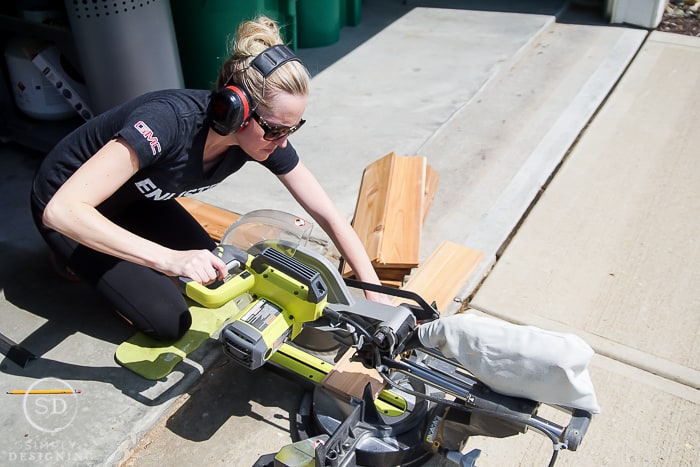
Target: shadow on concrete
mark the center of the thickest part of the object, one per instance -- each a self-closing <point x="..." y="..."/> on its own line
<point x="26" y="277"/>
<point x="224" y="394"/>
<point x="64" y="309"/>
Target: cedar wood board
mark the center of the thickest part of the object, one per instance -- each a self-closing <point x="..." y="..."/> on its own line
<point x="389" y="212"/>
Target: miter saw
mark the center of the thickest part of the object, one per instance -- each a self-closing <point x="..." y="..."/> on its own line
<point x="295" y="299"/>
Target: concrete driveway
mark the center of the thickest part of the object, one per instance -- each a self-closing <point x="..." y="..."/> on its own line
<point x="565" y="150"/>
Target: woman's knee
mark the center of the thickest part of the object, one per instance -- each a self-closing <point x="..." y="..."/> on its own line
<point x="167" y="324"/>
<point x="148" y="299"/>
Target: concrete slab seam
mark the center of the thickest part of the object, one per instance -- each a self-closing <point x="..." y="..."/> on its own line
<point x="672" y="387"/>
<point x="470" y="288"/>
<point x="147" y="424"/>
<point x="509" y="209"/>
<point x="549" y="152"/>
<point x="130" y="446"/>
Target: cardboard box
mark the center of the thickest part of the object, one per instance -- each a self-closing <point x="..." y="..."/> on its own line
<point x="74" y="92"/>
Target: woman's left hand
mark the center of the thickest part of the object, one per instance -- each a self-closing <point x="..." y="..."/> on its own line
<point x="378" y="297"/>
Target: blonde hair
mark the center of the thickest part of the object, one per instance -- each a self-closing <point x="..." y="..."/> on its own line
<point x="253" y="38"/>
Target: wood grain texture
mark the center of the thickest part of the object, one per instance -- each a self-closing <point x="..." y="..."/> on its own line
<point x="444" y="273"/>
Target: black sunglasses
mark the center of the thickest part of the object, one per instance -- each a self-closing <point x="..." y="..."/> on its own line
<point x="276" y="132"/>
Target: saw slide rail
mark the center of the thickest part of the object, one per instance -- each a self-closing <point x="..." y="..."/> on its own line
<point x="434" y="369"/>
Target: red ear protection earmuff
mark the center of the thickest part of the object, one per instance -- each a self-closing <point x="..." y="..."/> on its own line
<point x="229" y="108"/>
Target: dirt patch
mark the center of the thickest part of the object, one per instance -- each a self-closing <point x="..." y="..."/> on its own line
<point x="681" y="17"/>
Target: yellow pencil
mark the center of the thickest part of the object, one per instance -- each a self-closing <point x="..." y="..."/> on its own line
<point x="45" y="391"/>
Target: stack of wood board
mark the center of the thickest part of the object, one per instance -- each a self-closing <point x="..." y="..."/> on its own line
<point x="392" y="205"/>
<point x="393" y="202"/>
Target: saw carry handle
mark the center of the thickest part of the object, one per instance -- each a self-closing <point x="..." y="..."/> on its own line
<point x="309" y="277"/>
<point x="423" y="312"/>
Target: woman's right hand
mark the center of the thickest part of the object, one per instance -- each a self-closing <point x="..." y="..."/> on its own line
<point x="199" y="265"/>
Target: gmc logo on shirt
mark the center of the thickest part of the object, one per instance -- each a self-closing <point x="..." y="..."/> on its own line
<point x="148" y="134"/>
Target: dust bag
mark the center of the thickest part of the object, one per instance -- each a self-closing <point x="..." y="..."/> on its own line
<point x="521" y="361"/>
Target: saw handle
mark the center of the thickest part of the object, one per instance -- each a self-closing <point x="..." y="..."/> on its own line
<point x="220" y="291"/>
<point x="233" y="256"/>
<point x="423" y="312"/>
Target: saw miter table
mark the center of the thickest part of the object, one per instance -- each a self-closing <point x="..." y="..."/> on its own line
<point x="296" y="310"/>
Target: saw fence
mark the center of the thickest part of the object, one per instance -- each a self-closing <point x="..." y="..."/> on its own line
<point x="393" y="203"/>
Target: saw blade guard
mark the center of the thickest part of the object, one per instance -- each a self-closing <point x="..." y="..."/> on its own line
<point x="268" y="224"/>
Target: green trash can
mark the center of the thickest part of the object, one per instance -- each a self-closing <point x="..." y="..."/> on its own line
<point x="350" y="12"/>
<point x="318" y="22"/>
<point x="204" y="29"/>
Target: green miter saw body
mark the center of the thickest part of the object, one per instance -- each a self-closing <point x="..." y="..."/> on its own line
<point x="431" y="404"/>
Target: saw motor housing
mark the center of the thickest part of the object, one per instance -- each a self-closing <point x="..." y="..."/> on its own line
<point x="285" y="293"/>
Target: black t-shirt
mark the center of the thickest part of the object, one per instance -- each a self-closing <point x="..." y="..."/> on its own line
<point x="167" y="129"/>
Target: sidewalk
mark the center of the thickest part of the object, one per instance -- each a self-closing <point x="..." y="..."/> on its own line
<point x="495" y="100"/>
<point x="610" y="252"/>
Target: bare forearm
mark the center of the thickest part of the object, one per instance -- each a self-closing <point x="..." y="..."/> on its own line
<point x="309" y="193"/>
<point x="72" y="212"/>
<point x="352" y="249"/>
<point x="87" y="226"/>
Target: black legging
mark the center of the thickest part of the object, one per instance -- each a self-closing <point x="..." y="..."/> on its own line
<point x="147" y="298"/>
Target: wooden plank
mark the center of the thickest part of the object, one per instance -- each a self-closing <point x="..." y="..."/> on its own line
<point x="215" y="220"/>
<point x="397" y="274"/>
<point x="444" y="273"/>
<point x="349" y="378"/>
<point x="391" y="208"/>
<point x="432" y="179"/>
<point x="393" y="283"/>
<point x="370" y="210"/>
<point x="403" y="221"/>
